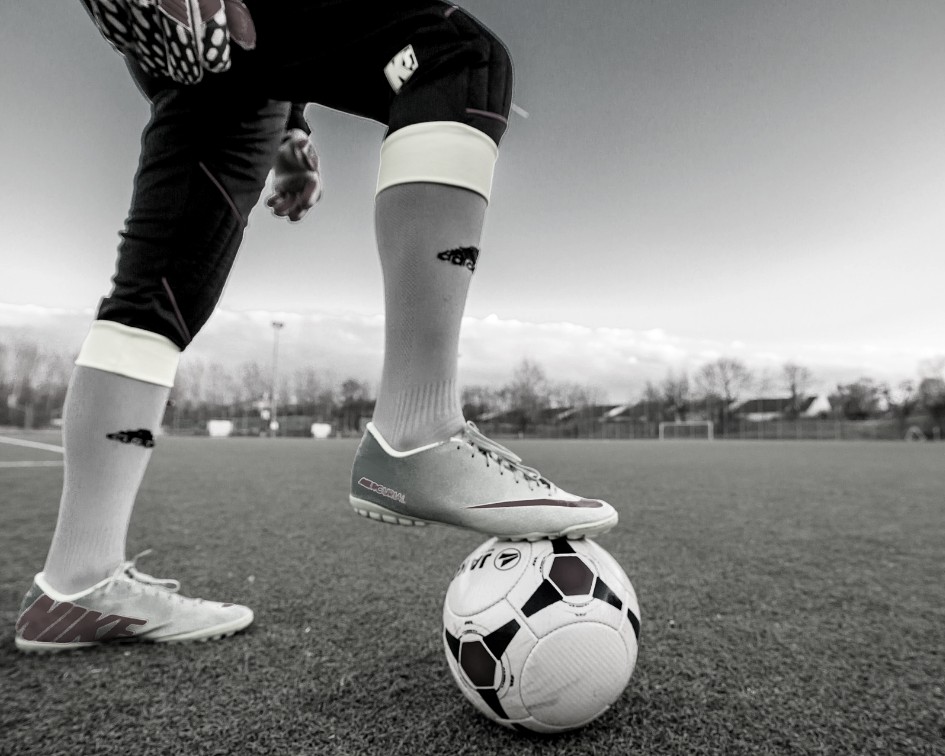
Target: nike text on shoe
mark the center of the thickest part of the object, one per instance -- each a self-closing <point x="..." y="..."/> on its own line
<point x="128" y="606"/>
<point x="471" y="482"/>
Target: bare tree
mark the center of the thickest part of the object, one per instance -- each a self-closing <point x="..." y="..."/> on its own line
<point x="327" y="398"/>
<point x="254" y="381"/>
<point x="528" y="392"/>
<point x="353" y="390"/>
<point x="26" y="359"/>
<point x="676" y="392"/>
<point x="931" y="390"/>
<point x="797" y="380"/>
<point x="33" y="382"/>
<point x="355" y="404"/>
<point x="28" y="376"/>
<point x="566" y="394"/>
<point x="189" y="386"/>
<point x="932" y="398"/>
<point x="723" y="382"/>
<point x="52" y="379"/>
<point x="307" y="385"/>
<point x="653" y="401"/>
<point x="902" y="401"/>
<point x="221" y="388"/>
<point x="325" y="405"/>
<point x="284" y="391"/>
<point x="6" y="379"/>
<point x="49" y="370"/>
<point x="478" y="400"/>
<point x="858" y="400"/>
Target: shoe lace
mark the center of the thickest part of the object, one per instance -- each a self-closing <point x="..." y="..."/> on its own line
<point x="502" y="456"/>
<point x="131" y="570"/>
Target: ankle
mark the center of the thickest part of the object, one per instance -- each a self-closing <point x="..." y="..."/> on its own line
<point x="419" y="414"/>
<point x="408" y="436"/>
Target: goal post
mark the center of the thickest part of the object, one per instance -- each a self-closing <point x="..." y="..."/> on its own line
<point x="697" y="430"/>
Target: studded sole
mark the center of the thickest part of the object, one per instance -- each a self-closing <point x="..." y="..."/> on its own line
<point x="378" y="513"/>
<point x="41" y="648"/>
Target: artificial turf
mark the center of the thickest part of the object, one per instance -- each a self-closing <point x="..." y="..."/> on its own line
<point x="792" y="599"/>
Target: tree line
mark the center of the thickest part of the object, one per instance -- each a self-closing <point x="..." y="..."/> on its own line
<point x="33" y="383"/>
<point x="717" y="389"/>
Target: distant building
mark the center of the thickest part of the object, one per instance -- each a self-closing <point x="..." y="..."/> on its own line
<point x="764" y="409"/>
<point x="557" y="421"/>
<point x="586" y="414"/>
<point x="639" y="412"/>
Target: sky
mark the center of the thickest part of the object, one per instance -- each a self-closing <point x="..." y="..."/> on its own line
<point x="696" y="178"/>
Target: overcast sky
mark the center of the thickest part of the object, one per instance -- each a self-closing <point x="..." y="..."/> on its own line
<point x="763" y="178"/>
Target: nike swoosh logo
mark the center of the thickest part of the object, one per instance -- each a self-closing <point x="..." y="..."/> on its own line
<point x="579" y="504"/>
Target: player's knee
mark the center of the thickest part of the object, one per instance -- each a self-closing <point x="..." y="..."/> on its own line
<point x="486" y="79"/>
<point x="131" y="352"/>
<point x="446" y="127"/>
<point x="490" y="85"/>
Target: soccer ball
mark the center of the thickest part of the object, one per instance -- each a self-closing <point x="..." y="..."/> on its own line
<point x="541" y="635"/>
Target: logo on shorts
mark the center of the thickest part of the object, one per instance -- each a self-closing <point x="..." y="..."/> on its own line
<point x="140" y="437"/>
<point x="465" y="256"/>
<point x="401" y="68"/>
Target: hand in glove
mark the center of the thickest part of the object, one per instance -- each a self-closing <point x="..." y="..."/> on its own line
<point x="296" y="185"/>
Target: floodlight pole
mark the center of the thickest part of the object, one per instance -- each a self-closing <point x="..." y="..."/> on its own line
<point x="276" y="327"/>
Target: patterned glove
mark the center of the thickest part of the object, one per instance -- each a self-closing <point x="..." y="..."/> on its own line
<point x="297" y="185"/>
<point x="179" y="39"/>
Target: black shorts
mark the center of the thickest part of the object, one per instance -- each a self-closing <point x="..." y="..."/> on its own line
<point x="335" y="52"/>
<point x="208" y="148"/>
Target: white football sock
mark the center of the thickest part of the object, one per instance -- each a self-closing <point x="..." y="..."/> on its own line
<point x="104" y="415"/>
<point x="428" y="237"/>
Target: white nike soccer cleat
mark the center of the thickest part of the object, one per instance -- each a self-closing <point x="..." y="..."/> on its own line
<point x="471" y="482"/>
<point x="128" y="606"/>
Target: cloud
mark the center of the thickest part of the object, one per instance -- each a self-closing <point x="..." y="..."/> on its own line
<point x="617" y="360"/>
<point x="57" y="329"/>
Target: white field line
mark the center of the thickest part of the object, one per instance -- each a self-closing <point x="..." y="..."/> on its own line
<point x="30" y="444"/>
<point x="30" y="464"/>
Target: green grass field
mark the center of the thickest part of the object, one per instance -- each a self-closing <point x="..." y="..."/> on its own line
<point x="793" y="602"/>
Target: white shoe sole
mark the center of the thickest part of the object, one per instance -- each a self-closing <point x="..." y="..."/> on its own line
<point x="575" y="532"/>
<point x="207" y="634"/>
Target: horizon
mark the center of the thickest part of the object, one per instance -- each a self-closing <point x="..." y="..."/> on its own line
<point x="343" y="345"/>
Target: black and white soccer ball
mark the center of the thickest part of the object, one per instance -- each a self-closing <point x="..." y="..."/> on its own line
<point x="541" y="635"/>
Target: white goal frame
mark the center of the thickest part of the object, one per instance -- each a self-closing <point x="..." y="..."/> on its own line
<point x="707" y="424"/>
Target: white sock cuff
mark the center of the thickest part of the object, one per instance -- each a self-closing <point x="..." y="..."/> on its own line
<point x="439" y="152"/>
<point x="131" y="352"/>
<point x="57" y="595"/>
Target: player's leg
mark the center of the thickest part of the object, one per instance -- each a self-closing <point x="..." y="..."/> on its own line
<point x="452" y="90"/>
<point x="434" y="185"/>
<point x="205" y="156"/>
<point x="442" y="83"/>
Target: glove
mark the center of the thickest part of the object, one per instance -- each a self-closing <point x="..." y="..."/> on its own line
<point x="179" y="39"/>
<point x="296" y="185"/>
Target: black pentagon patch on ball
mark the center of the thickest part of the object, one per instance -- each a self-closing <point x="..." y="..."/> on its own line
<point x="571" y="575"/>
<point x="477" y="663"/>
